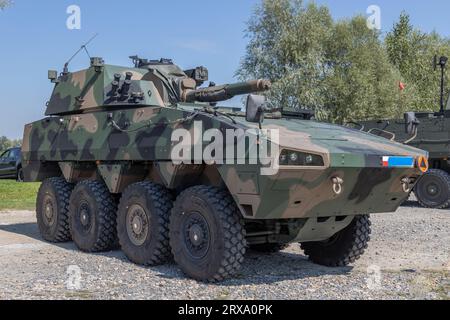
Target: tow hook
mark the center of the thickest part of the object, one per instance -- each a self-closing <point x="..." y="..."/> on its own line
<point x="406" y="184"/>
<point x="337" y="185"/>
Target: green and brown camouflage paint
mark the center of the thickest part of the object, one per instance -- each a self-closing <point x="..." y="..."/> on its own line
<point x="91" y="134"/>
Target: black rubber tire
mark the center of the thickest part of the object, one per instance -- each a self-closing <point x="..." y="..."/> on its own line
<point x="438" y="179"/>
<point x="157" y="203"/>
<point x="101" y="235"/>
<point x="58" y="192"/>
<point x="19" y="176"/>
<point x="225" y="240"/>
<point x="344" y="248"/>
<point x="269" y="247"/>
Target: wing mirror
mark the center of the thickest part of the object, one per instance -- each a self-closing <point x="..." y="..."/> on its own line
<point x="255" y="107"/>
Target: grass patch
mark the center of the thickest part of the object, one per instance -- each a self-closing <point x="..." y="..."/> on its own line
<point x="81" y="295"/>
<point x="435" y="282"/>
<point x="444" y="287"/>
<point x="18" y="196"/>
<point x="223" y="295"/>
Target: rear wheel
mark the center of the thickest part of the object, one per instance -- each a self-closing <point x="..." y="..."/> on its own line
<point x="143" y="223"/>
<point x="343" y="248"/>
<point x="433" y="189"/>
<point x="207" y="234"/>
<point x="93" y="217"/>
<point x="52" y="210"/>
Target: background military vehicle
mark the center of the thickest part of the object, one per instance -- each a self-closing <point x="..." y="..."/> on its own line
<point x="104" y="155"/>
<point x="429" y="131"/>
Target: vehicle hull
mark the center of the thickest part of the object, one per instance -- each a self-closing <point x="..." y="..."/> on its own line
<point x="126" y="146"/>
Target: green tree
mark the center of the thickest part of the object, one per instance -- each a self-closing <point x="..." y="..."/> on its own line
<point x="287" y="45"/>
<point x="6" y="143"/>
<point x="412" y="52"/>
<point x="5" y="3"/>
<point x="339" y="69"/>
<point x="401" y="42"/>
<point x="363" y="84"/>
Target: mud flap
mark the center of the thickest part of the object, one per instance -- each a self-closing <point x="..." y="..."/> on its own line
<point x="321" y="229"/>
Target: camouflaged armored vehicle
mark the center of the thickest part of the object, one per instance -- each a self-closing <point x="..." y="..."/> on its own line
<point x="429" y="131"/>
<point x="105" y="156"/>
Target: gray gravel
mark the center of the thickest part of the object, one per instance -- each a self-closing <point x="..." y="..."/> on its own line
<point x="408" y="258"/>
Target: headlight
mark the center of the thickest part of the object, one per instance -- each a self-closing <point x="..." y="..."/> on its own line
<point x="295" y="158"/>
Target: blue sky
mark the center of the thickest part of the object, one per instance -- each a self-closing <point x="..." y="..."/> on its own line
<point x="34" y="38"/>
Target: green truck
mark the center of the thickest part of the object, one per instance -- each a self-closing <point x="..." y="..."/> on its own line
<point x="429" y="131"/>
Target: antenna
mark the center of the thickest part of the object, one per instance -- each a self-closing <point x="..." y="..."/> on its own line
<point x="83" y="47"/>
<point x="442" y="62"/>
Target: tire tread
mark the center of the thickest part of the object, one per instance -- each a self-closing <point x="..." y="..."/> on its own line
<point x="446" y="178"/>
<point x="62" y="190"/>
<point x="162" y="200"/>
<point x="107" y="238"/>
<point x="346" y="252"/>
<point x="234" y="232"/>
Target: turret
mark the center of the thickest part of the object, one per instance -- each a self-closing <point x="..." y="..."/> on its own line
<point x="149" y="83"/>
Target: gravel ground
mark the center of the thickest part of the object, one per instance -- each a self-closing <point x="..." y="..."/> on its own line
<point x="408" y="258"/>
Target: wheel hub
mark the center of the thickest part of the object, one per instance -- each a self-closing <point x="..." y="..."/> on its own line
<point x="84" y="218"/>
<point x="197" y="235"/>
<point x="49" y="211"/>
<point x="137" y="225"/>
<point x="84" y="214"/>
<point x="432" y="189"/>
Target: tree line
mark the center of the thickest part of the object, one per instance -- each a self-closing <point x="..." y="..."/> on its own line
<point x="6" y="143"/>
<point x="341" y="69"/>
<point x="5" y="3"/>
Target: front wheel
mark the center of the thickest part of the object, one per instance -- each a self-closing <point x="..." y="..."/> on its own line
<point x="207" y="234"/>
<point x="433" y="190"/>
<point x="343" y="248"/>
